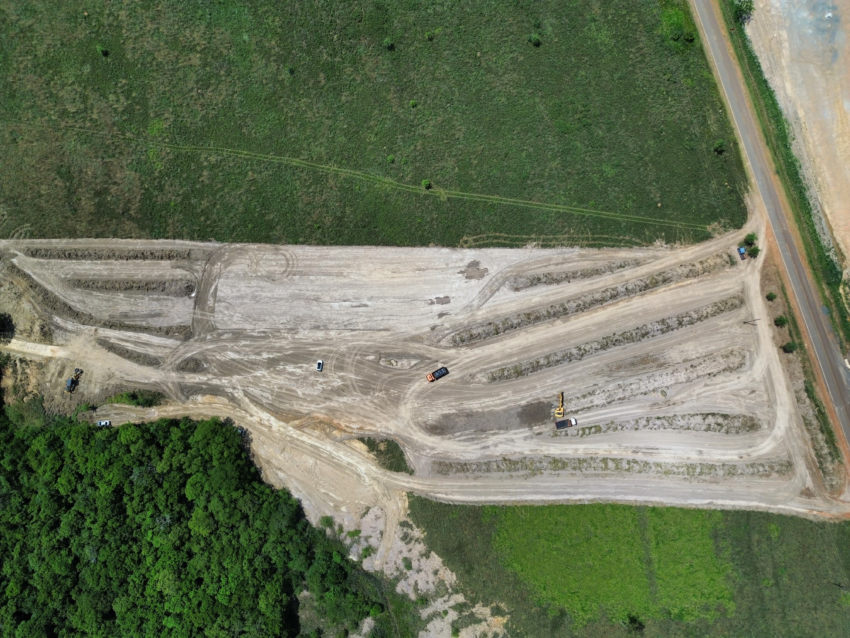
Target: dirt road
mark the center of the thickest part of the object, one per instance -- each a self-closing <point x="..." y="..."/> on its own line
<point x="679" y="401"/>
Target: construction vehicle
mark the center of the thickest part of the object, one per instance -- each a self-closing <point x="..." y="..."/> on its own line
<point x="742" y="253"/>
<point x="437" y="374"/>
<point x="566" y="423"/>
<point x="71" y="384"/>
<point x="559" y="411"/>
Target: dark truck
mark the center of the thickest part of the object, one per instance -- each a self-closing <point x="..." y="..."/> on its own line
<point x="438" y="374"/>
<point x="566" y="423"/>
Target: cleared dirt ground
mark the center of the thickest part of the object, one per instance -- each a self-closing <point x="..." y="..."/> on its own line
<point x="802" y="46"/>
<point x="665" y="356"/>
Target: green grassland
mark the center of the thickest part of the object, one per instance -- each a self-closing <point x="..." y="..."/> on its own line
<point x="611" y="570"/>
<point x="318" y="122"/>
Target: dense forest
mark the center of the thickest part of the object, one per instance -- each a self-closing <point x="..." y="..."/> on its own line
<point x="164" y="529"/>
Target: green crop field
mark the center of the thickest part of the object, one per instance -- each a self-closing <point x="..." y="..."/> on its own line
<point x="563" y="122"/>
<point x="612" y="570"/>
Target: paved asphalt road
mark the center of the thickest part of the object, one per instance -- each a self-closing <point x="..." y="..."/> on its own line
<point x="816" y="324"/>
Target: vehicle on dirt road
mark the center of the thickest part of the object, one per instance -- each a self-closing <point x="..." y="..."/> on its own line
<point x="566" y="423"/>
<point x="742" y="252"/>
<point x="320" y="365"/>
<point x="438" y="374"/>
<point x="104" y="424"/>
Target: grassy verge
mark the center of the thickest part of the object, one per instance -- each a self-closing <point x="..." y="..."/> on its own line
<point x="809" y="385"/>
<point x="607" y="570"/>
<point x="826" y="270"/>
<point x="321" y="123"/>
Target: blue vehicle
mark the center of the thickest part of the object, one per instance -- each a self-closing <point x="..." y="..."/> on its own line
<point x="742" y="252"/>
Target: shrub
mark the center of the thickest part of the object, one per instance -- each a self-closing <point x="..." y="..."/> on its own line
<point x="389" y="45"/>
<point x="326" y="522"/>
<point x="413" y="104"/>
<point x="138" y="398"/>
<point x="790" y="347"/>
<point x="719" y="147"/>
<point x="408" y="564"/>
<point x="391" y="159"/>
<point x="426" y="184"/>
<point x="770" y="296"/>
<point x="743" y="10"/>
<point x="754" y="252"/>
<point x="7" y="327"/>
<point x="750" y="240"/>
<point x="429" y="36"/>
<point x="781" y="321"/>
<point x="535" y="40"/>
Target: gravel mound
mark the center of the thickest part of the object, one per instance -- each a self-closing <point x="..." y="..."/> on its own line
<point x="141" y="358"/>
<point x="48" y="301"/>
<point x="590" y="300"/>
<point x="111" y="254"/>
<point x="709" y="366"/>
<point x="635" y="335"/>
<point x="588" y="465"/>
<point x="522" y="282"/>
<point x="704" y="422"/>
<point x="168" y="287"/>
<point x="190" y="364"/>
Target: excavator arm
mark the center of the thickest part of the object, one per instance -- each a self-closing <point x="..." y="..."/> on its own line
<point x="559" y="411"/>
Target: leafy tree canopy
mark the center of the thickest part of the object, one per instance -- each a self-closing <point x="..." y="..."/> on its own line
<point x="157" y="530"/>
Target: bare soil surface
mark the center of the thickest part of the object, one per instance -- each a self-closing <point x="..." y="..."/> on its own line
<point x="803" y="48"/>
<point x="696" y="413"/>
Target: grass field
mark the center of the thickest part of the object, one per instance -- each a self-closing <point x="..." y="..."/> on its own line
<point x="319" y="122"/>
<point x="610" y="570"/>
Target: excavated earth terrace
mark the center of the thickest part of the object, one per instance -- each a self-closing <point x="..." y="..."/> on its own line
<point x="665" y="358"/>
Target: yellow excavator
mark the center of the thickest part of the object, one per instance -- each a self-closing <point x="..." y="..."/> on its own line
<point x="559" y="411"/>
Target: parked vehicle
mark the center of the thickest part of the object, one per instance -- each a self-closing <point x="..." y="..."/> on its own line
<point x="320" y="365"/>
<point x="438" y="374"/>
<point x="104" y="424"/>
<point x="742" y="252"/>
<point x="566" y="423"/>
